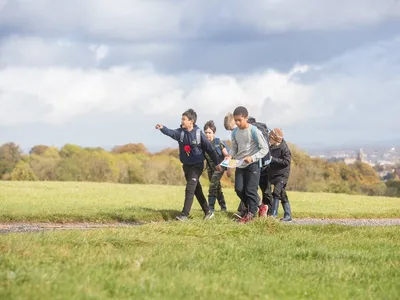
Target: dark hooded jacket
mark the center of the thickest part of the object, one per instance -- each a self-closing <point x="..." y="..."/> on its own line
<point x="196" y="154"/>
<point x="280" y="163"/>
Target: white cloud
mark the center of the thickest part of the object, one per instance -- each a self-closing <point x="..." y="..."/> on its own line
<point x="365" y="80"/>
<point x="73" y="92"/>
<point x="156" y="19"/>
<point x="361" y="85"/>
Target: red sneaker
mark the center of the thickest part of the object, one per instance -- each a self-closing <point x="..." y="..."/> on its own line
<point x="247" y="218"/>
<point x="262" y="212"/>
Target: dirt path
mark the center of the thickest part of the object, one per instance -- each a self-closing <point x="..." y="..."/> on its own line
<point x="36" y="227"/>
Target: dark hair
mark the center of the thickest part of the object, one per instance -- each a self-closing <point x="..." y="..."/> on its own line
<point x="210" y="124"/>
<point x="191" y="115"/>
<point x="251" y="120"/>
<point x="241" y="111"/>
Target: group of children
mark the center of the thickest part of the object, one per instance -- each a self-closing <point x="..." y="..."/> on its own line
<point x="249" y="145"/>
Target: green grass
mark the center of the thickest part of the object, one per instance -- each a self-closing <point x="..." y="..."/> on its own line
<point x="104" y="202"/>
<point x="218" y="259"/>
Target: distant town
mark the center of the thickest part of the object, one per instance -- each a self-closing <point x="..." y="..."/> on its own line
<point x="385" y="160"/>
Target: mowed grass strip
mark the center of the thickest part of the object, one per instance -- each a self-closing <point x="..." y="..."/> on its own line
<point x="218" y="259"/>
<point x="105" y="202"/>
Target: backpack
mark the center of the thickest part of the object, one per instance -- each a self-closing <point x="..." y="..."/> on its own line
<point x="218" y="148"/>
<point x="198" y="136"/>
<point x="263" y="128"/>
<point x="265" y="131"/>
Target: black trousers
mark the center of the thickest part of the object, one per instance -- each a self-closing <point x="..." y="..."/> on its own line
<point x="279" y="191"/>
<point x="246" y="185"/>
<point x="193" y="188"/>
<point x="265" y="187"/>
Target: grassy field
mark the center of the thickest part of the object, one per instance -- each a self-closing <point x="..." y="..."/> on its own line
<point x="217" y="259"/>
<point x="103" y="202"/>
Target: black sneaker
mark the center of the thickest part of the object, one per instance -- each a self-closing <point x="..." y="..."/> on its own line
<point x="286" y="219"/>
<point x="181" y="218"/>
<point x="209" y="215"/>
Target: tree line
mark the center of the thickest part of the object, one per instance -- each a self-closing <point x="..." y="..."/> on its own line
<point x="134" y="164"/>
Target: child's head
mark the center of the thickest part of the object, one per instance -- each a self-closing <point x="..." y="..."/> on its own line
<point x="209" y="130"/>
<point x="241" y="115"/>
<point x="276" y="136"/>
<point x="189" y="118"/>
<point x="229" y="122"/>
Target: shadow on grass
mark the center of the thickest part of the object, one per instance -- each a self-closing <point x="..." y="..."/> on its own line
<point x="166" y="214"/>
<point x="141" y="215"/>
<point x="145" y="214"/>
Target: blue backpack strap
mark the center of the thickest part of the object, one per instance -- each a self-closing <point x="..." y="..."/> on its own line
<point x="198" y="136"/>
<point x="217" y="145"/>
<point x="234" y="132"/>
<point x="254" y="135"/>
<point x="225" y="145"/>
<point x="255" y="138"/>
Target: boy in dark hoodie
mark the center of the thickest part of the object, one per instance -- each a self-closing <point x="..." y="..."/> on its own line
<point x="192" y="145"/>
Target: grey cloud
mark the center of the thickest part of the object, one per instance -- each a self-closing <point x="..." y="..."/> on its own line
<point x="153" y="20"/>
<point x="243" y="54"/>
<point x="39" y="52"/>
<point x="356" y="94"/>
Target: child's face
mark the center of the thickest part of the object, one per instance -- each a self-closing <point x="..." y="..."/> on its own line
<point x="272" y="141"/>
<point x="186" y="123"/>
<point x="241" y="122"/>
<point x="209" y="134"/>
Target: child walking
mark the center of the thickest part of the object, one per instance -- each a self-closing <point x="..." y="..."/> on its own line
<point x="192" y="146"/>
<point x="229" y="124"/>
<point x="215" y="189"/>
<point x="278" y="173"/>
<point x="247" y="175"/>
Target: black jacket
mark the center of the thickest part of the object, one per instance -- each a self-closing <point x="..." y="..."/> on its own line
<point x="280" y="163"/>
<point x="196" y="154"/>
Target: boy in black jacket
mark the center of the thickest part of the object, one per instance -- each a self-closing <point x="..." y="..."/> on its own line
<point x="278" y="173"/>
<point x="192" y="145"/>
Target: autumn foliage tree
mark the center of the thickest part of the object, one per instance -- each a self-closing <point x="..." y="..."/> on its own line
<point x="131" y="148"/>
<point x="133" y="164"/>
<point x="10" y="155"/>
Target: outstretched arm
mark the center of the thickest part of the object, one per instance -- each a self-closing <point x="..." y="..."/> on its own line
<point x="170" y="132"/>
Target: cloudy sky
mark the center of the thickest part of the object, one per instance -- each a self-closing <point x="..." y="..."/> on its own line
<point x="103" y="73"/>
